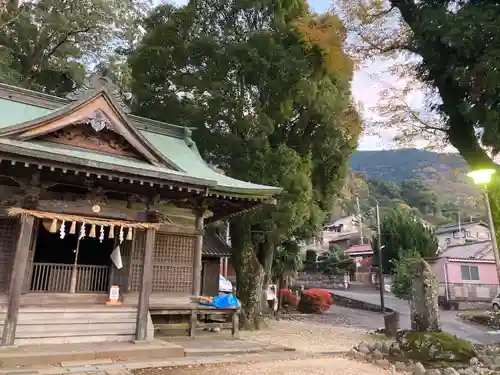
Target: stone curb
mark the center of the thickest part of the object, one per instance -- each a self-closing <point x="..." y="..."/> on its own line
<point x="174" y="363"/>
<point x="357" y="304"/>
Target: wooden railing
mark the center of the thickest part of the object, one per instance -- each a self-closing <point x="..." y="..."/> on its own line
<point x="56" y="278"/>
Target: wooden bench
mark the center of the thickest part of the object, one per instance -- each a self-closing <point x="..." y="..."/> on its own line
<point x="194" y="314"/>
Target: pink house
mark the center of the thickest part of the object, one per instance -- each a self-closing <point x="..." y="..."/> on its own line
<point x="471" y="263"/>
<point x="466" y="272"/>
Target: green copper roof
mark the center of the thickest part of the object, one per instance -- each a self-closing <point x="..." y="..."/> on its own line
<point x="165" y="138"/>
<point x="93" y="159"/>
<point x="191" y="161"/>
<point x="16" y="113"/>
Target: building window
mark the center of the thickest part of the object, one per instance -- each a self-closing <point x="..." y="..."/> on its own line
<point x="470" y="272"/>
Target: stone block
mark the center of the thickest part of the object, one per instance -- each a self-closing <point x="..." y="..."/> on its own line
<point x="418" y="369"/>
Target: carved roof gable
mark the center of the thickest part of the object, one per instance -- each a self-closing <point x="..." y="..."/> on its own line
<point x="93" y="85"/>
<point x="97" y="109"/>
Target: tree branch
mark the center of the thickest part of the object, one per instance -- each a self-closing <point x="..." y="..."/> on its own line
<point x="394" y="47"/>
<point x="381" y="14"/>
<point x="65" y="39"/>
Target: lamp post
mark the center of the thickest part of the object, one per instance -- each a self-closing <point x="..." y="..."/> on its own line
<point x="482" y="177"/>
<point x="380" y="270"/>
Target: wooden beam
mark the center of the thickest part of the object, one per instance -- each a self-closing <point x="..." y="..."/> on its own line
<point x="85" y="208"/>
<point x="198" y="249"/>
<point x="146" y="283"/>
<point x="17" y="279"/>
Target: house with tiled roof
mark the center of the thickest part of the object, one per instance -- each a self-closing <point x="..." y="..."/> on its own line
<point x="465" y="232"/>
<point x="466" y="272"/>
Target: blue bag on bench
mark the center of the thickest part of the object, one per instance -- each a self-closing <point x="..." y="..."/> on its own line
<point x="226" y="302"/>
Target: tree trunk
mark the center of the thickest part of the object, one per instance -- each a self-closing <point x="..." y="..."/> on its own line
<point x="249" y="274"/>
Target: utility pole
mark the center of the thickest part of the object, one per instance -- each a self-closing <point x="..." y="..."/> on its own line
<point x="459" y="227"/>
<point x="491" y="226"/>
<point x="360" y="221"/>
<point x="380" y="272"/>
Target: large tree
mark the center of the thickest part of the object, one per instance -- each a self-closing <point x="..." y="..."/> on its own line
<point x="447" y="50"/>
<point x="403" y="233"/>
<point x="48" y="45"/>
<point x="267" y="85"/>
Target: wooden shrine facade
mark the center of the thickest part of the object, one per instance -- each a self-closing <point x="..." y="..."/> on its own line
<point x="82" y="180"/>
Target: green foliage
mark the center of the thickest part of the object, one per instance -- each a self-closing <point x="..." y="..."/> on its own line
<point x="311" y="258"/>
<point x="287" y="258"/>
<point x="404" y="271"/>
<point x="436" y="347"/>
<point x="45" y="45"/>
<point x="267" y="101"/>
<point x="335" y="262"/>
<point x="401" y="232"/>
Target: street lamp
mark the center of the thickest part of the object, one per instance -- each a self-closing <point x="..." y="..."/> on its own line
<point x="482" y="177"/>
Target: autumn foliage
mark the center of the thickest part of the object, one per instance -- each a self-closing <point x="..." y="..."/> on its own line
<point x="315" y="301"/>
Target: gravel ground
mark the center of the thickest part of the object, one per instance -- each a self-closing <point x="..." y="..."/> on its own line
<point x="312" y="336"/>
<point x="308" y="337"/>
<point x="310" y="366"/>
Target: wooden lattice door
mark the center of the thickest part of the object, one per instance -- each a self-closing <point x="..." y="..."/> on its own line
<point x="172" y="263"/>
<point x="135" y="261"/>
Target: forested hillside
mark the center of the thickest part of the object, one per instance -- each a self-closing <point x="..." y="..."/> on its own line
<point x="433" y="184"/>
<point x="399" y="165"/>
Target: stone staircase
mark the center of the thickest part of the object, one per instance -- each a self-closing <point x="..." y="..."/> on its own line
<point x="75" y="324"/>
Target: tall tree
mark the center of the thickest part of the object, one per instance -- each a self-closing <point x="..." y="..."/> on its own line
<point x="47" y="45"/>
<point x="450" y="49"/>
<point x="267" y="85"/>
<point x="402" y="232"/>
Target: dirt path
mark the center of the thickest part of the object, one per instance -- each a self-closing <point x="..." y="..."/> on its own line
<point x="309" y="337"/>
<point x="311" y="366"/>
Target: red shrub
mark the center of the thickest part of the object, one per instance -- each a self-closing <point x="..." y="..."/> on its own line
<point x="315" y="301"/>
<point x="289" y="299"/>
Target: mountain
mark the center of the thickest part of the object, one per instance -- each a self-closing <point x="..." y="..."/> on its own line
<point x="399" y="165"/>
<point x="389" y="175"/>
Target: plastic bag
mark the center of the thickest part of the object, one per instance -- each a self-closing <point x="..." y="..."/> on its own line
<point x="223" y="302"/>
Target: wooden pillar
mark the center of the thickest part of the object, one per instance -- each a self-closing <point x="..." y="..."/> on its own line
<point x="146" y="281"/>
<point x="17" y="279"/>
<point x="198" y="249"/>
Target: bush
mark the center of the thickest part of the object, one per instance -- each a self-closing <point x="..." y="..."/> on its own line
<point x="436" y="346"/>
<point x="315" y="301"/>
<point x="289" y="299"/>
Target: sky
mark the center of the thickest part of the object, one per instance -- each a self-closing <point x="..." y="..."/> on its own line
<point x="365" y="90"/>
